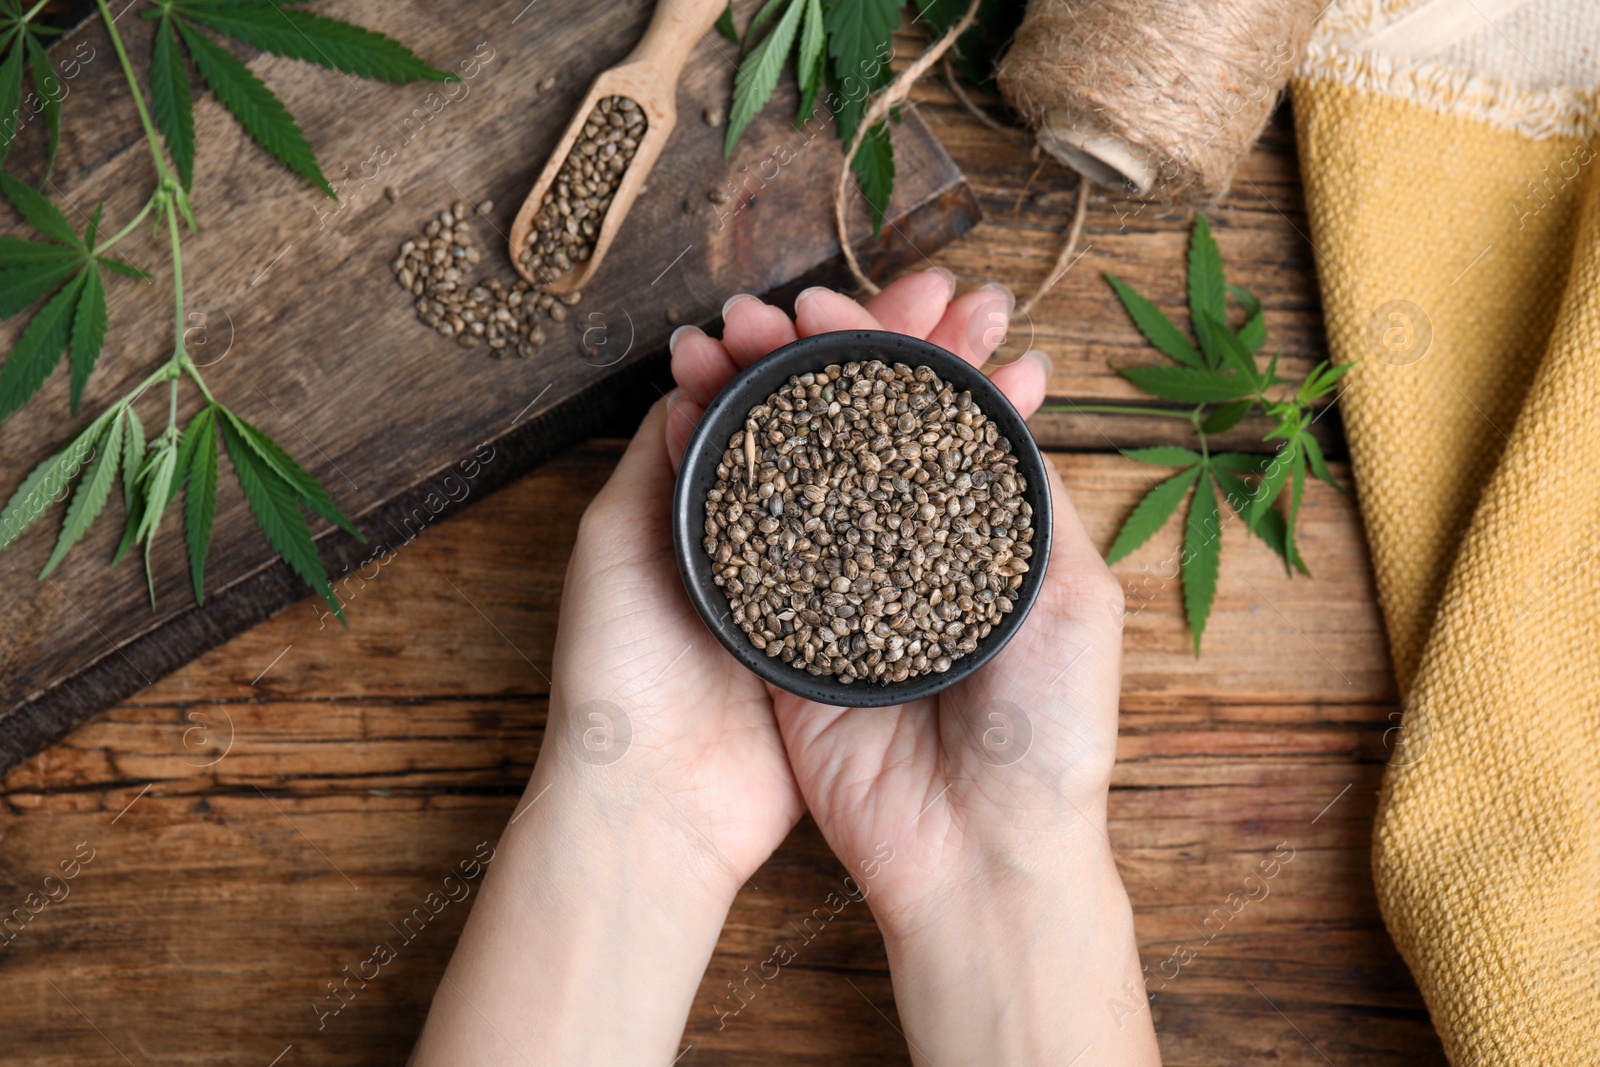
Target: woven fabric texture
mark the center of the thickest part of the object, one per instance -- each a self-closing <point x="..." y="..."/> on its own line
<point x="1459" y="263"/>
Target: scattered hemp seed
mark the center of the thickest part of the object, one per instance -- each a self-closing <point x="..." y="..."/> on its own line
<point x="868" y="523"/>
<point x="672" y="316"/>
<point x="548" y="84"/>
<point x="433" y="267"/>
<point x="717" y="196"/>
<point x="391" y="194"/>
<point x="714" y="117"/>
<point x="568" y="223"/>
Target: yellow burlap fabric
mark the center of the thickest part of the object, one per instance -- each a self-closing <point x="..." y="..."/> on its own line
<point x="1446" y="204"/>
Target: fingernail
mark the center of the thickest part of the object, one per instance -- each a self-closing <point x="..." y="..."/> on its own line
<point x="807" y="292"/>
<point x="1005" y="291"/>
<point x="677" y="335"/>
<point x="736" y="298"/>
<point x="675" y="398"/>
<point x="1043" y="359"/>
<point x="948" y="275"/>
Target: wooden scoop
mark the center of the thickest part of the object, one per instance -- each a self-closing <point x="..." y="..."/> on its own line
<point x="648" y="77"/>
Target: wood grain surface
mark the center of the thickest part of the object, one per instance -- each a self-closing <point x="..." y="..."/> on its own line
<point x="293" y="313"/>
<point x="260" y="817"/>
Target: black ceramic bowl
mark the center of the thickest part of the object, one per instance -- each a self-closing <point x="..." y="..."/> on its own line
<point x="726" y="416"/>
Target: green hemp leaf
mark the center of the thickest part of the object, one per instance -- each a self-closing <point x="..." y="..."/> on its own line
<point x="272" y="26"/>
<point x="74" y="318"/>
<point x="27" y="61"/>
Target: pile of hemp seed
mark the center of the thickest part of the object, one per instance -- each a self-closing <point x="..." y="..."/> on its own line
<point x="568" y="223"/>
<point x="868" y="523"/>
<point x="435" y="266"/>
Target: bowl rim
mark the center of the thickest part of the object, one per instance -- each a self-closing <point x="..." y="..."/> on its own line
<point x="764" y="376"/>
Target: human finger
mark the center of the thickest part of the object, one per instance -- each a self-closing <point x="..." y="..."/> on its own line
<point x="700" y="365"/>
<point x="915" y="303"/>
<point x="975" y="323"/>
<point x="818" y="310"/>
<point x="752" y="328"/>
<point x="1025" y="381"/>
<point x="683" y="415"/>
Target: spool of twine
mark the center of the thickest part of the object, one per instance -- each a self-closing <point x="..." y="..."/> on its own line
<point x="1160" y="98"/>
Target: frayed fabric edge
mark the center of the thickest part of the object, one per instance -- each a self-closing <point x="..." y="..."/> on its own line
<point x="1335" y="54"/>
<point x="1536" y="113"/>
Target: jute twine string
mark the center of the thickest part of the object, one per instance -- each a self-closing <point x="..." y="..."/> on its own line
<point x="953" y="83"/>
<point x="896" y="92"/>
<point x="877" y="111"/>
<point x="1068" y="248"/>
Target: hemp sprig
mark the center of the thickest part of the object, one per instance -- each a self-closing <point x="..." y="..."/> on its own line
<point x="846" y="46"/>
<point x="68" y="272"/>
<point x="1219" y="383"/>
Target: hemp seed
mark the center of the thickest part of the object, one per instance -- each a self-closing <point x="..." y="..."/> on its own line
<point x="868" y="523"/>
<point x="567" y="226"/>
<point x="432" y="267"/>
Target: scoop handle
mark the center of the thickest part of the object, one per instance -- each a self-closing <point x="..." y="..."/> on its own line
<point x="674" y="30"/>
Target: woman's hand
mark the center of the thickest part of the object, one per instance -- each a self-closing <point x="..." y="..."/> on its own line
<point x="661" y="786"/>
<point x="975" y="821"/>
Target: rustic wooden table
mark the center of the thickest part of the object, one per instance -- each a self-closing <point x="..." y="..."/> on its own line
<point x="260" y="819"/>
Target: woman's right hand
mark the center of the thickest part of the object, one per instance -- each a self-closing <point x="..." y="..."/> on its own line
<point x="975" y="822"/>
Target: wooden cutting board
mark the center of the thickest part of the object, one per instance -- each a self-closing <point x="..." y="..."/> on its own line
<point x="304" y="332"/>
